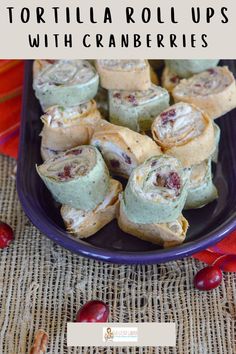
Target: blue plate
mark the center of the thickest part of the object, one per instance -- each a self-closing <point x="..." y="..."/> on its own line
<point x="207" y="225"/>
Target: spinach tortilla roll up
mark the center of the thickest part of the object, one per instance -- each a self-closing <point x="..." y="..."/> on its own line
<point x="66" y="83"/>
<point x="169" y="79"/>
<point x="122" y="148"/>
<point x="189" y="67"/>
<point x="163" y="234"/>
<point x="185" y="132"/>
<point x="125" y="74"/>
<point x="137" y="109"/>
<point x="67" y="127"/>
<point x="156" y="191"/>
<point x="77" y="177"/>
<point x="213" y="91"/>
<point x="83" y="224"/>
<point x="201" y="190"/>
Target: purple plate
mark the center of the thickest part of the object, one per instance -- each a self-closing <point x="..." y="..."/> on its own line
<point x="207" y="225"/>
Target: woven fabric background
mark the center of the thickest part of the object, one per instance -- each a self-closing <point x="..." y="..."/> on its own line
<point x="43" y="285"/>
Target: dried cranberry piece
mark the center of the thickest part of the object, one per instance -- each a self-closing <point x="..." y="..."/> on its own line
<point x="173" y="181"/>
<point x="168" y="116"/>
<point x="66" y="172"/>
<point x="131" y="98"/>
<point x="117" y="95"/>
<point x="211" y="71"/>
<point x="174" y="79"/>
<point x="160" y="181"/>
<point x="114" y="163"/>
<point x="74" y="152"/>
<point x="127" y="159"/>
<point x="153" y="163"/>
<point x="50" y="61"/>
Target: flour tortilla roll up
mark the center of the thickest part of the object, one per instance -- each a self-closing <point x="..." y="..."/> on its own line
<point x="83" y="224"/>
<point x="122" y="148"/>
<point x="125" y="74"/>
<point x="185" y="132"/>
<point x="163" y="234"/>
<point x="213" y="91"/>
<point x="66" y="83"/>
<point x="189" y="67"/>
<point x="67" y="127"/>
<point x="201" y="190"/>
<point x="137" y="109"/>
<point x="156" y="191"/>
<point x="77" y="177"/>
<point x="169" y="79"/>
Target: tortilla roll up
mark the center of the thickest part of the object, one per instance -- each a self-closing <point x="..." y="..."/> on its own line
<point x="77" y="177"/>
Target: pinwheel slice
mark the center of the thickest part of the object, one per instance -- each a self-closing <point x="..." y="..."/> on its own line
<point x="122" y="148"/>
<point x="67" y="127"/>
<point x="163" y="234"/>
<point x="185" y="132"/>
<point x="156" y="191"/>
<point x="77" y="177"/>
<point x="83" y="224"/>
<point x="66" y="83"/>
<point x="189" y="67"/>
<point x="201" y="190"/>
<point x="127" y="75"/>
<point x="137" y="109"/>
<point x="213" y="91"/>
<point x="169" y="79"/>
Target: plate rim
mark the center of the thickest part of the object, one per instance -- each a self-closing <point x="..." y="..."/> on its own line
<point x="90" y="251"/>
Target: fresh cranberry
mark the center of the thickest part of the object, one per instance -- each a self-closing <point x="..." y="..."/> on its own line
<point x="93" y="311"/>
<point x="127" y="159"/>
<point x="173" y="181"/>
<point x="208" y="278"/>
<point x="114" y="163"/>
<point x="6" y="235"/>
<point x="168" y="116"/>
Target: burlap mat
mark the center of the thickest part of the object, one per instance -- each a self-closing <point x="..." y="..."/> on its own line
<point x="43" y="285"/>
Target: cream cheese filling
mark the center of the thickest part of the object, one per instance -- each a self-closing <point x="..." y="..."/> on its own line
<point x="179" y="124"/>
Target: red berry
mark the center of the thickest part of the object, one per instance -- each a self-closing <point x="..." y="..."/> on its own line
<point x="208" y="278"/>
<point x="6" y="235"/>
<point x="93" y="311"/>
